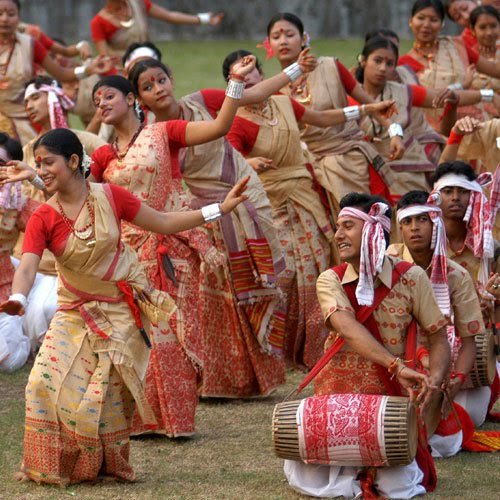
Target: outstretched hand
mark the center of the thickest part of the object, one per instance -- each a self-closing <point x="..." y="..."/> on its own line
<point x="14" y="171"/>
<point x="446" y="96"/>
<point x="235" y="196"/>
<point x="467" y="125"/>
<point x="307" y="61"/>
<point x="12" y="308"/>
<point x="215" y="19"/>
<point x="101" y="65"/>
<point x="244" y="66"/>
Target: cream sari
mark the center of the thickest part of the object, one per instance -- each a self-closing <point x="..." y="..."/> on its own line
<point x="91" y="366"/>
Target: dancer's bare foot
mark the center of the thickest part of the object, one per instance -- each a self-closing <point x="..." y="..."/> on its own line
<point x="21" y="476"/>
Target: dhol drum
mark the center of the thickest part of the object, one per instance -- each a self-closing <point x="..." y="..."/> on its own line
<point x="346" y="429"/>
<point x="483" y="371"/>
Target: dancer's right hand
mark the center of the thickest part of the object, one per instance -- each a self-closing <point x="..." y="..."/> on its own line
<point x="12" y="308"/>
<point x="467" y="125"/>
<point x="14" y="171"/>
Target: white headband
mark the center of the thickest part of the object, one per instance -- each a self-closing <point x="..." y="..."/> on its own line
<point x="138" y="53"/>
<point x="413" y="210"/>
<point x="30" y="90"/>
<point x="455" y="180"/>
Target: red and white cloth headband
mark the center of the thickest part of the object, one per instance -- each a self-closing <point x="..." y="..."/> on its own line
<point x="439" y="272"/>
<point x="373" y="246"/>
<point x="478" y="218"/>
<point x="57" y="100"/>
<point x="140" y="53"/>
<point x="10" y="194"/>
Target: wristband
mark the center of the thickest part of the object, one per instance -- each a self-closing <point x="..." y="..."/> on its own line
<point x="204" y="17"/>
<point x="395" y="129"/>
<point x="211" y="212"/>
<point x="38" y="183"/>
<point x="19" y="297"/>
<point x="236" y="78"/>
<point x="487" y="95"/>
<point x="459" y="375"/>
<point x="422" y="352"/>
<point x="79" y="46"/>
<point x="454" y="138"/>
<point x="293" y="71"/>
<point x="80" y="72"/>
<point x="455" y="86"/>
<point x="235" y="89"/>
<point x="351" y="113"/>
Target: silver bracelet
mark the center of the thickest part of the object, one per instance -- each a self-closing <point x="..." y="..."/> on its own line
<point x="293" y="71"/>
<point x="204" y="17"/>
<point x="80" y="72"/>
<point x="235" y="89"/>
<point x="211" y="212"/>
<point x="38" y="183"/>
<point x="455" y="86"/>
<point x="395" y="129"/>
<point x="487" y="95"/>
<point x="352" y="113"/>
<point x="19" y="297"/>
<point x="79" y="46"/>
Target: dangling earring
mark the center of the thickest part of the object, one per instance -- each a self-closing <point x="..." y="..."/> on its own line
<point x="137" y="109"/>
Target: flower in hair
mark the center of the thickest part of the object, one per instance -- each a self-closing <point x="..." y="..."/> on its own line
<point x="266" y="44"/>
<point x="86" y="163"/>
<point x="307" y="39"/>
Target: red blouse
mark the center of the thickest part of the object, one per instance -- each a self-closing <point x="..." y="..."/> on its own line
<point x="176" y="132"/>
<point x="418" y="95"/>
<point x="39" y="52"/>
<point x="102" y="30"/>
<point x="46" y="227"/>
<point x="243" y="133"/>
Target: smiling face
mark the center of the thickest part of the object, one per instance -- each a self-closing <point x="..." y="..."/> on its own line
<point x="37" y="108"/>
<point x="460" y="10"/>
<point x="9" y="17"/>
<point x="454" y="202"/>
<point x="417" y="232"/>
<point x="112" y="105"/>
<point x="348" y="234"/>
<point x="54" y="169"/>
<point x="379" y="66"/>
<point x="155" y="89"/>
<point x="487" y="30"/>
<point x="286" y="41"/>
<point x="426" y="25"/>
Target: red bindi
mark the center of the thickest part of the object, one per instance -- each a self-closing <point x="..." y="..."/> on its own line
<point x="39" y="159"/>
<point x="152" y="79"/>
<point x="99" y="93"/>
<point x="282" y="30"/>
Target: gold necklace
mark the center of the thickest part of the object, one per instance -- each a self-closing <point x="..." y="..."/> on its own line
<point x="264" y="110"/>
<point x="419" y="48"/>
<point x="300" y="90"/>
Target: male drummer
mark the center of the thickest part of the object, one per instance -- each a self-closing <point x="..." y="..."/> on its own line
<point x="424" y="237"/>
<point x="372" y="361"/>
<point x="467" y="216"/>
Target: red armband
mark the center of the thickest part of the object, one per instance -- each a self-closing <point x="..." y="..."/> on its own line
<point x="454" y="138"/>
<point x="421" y="353"/>
<point x="459" y="375"/>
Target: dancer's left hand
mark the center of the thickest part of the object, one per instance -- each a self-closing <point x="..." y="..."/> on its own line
<point x="235" y="196"/>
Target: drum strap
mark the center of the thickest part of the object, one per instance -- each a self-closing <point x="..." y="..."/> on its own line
<point x="364" y="314"/>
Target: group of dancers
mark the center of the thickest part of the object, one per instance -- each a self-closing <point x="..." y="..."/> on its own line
<point x="183" y="247"/>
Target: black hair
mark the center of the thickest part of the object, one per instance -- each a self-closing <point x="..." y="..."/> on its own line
<point x="373" y="44"/>
<point x="17" y="3"/>
<point x="454" y="167"/>
<point x="437" y="5"/>
<point x="13" y="147"/>
<point x="286" y="16"/>
<point x="141" y="67"/>
<point x="413" y="198"/>
<point x="40" y="80"/>
<point x="117" y="82"/>
<point x="136" y="45"/>
<point x="364" y="202"/>
<point x="236" y="56"/>
<point x="382" y="32"/>
<point x="62" y="142"/>
<point x="487" y="10"/>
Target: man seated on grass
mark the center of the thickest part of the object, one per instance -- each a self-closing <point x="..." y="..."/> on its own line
<point x="397" y="293"/>
<point x="424" y="237"/>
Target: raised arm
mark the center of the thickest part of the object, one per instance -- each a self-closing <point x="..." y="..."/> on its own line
<point x="463" y="126"/>
<point x="490" y="68"/>
<point x="174" y="17"/>
<point x="99" y="65"/>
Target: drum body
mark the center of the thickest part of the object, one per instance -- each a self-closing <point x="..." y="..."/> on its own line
<point x="483" y="371"/>
<point x="346" y="429"/>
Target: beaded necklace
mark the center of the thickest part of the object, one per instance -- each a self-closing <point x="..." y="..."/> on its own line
<point x="264" y="110"/>
<point x="300" y="90"/>
<point x="85" y="233"/>
<point x="120" y="156"/>
<point x="419" y="49"/>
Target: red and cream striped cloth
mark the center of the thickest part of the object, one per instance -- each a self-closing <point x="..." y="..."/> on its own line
<point x="439" y="272"/>
<point x="373" y="246"/>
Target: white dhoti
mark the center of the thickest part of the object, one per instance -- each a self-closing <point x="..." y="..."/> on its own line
<point x="332" y="481"/>
<point x="14" y="345"/>
<point x="446" y="446"/>
<point x="475" y="402"/>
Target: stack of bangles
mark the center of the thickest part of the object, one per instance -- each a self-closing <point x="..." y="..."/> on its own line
<point x="354" y="112"/>
<point x="396" y="367"/>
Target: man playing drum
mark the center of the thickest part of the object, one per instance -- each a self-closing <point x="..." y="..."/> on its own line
<point x="468" y="217"/>
<point x="424" y="237"/>
<point x="372" y="359"/>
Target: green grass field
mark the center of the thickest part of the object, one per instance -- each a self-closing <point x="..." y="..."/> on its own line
<point x="230" y="457"/>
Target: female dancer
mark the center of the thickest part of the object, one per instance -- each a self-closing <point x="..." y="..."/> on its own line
<point x="236" y="363"/>
<point x="184" y="265"/>
<point x="268" y="135"/>
<point x="90" y="367"/>
<point x="122" y="22"/>
<point x="378" y="60"/>
<point x="443" y="61"/>
<point x="344" y="160"/>
<point x="485" y="26"/>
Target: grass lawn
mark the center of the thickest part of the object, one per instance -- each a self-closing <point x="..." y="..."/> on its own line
<point x="231" y="455"/>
